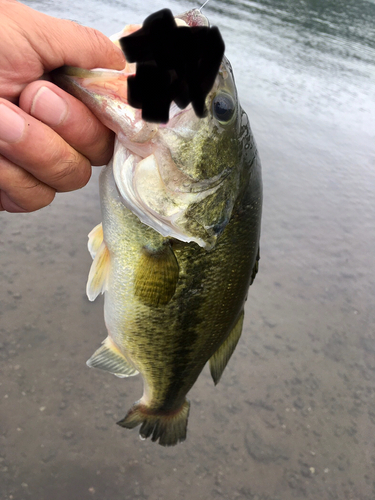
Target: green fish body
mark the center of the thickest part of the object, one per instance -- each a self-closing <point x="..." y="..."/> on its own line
<point x="177" y="249"/>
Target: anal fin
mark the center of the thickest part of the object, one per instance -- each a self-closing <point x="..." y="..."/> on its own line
<point x="95" y="240"/>
<point x="97" y="279"/>
<point x="220" y="359"/>
<point x="109" y="358"/>
<point x="156" y="276"/>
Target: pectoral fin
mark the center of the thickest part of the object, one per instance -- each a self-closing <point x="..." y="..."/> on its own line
<point x="97" y="280"/>
<point x="156" y="276"/>
<point x="220" y="359"/>
<point x="95" y="240"/>
<point x="109" y="358"/>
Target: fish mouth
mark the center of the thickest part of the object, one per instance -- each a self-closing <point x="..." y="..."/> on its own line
<point x="150" y="183"/>
<point x="105" y="91"/>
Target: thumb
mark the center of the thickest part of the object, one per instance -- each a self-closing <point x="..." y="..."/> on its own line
<point x="61" y="42"/>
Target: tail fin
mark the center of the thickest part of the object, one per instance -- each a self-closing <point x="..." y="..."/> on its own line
<point x="169" y="428"/>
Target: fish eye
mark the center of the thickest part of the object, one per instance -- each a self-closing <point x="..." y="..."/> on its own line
<point x="223" y="107"/>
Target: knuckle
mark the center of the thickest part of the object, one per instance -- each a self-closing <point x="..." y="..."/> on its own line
<point x="20" y="191"/>
<point x="89" y="135"/>
<point x="104" y="154"/>
<point x="95" y="141"/>
<point x="72" y="172"/>
<point x="40" y="198"/>
<point x="93" y="37"/>
<point x="98" y="39"/>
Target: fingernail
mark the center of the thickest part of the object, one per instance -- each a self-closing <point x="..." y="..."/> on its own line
<point x="12" y="125"/>
<point x="48" y="107"/>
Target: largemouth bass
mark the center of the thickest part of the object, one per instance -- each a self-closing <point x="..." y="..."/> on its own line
<point x="178" y="245"/>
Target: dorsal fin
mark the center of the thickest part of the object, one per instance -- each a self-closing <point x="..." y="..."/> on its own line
<point x="109" y="358"/>
<point x="97" y="280"/>
<point x="220" y="359"/>
<point x="95" y="239"/>
<point x="156" y="276"/>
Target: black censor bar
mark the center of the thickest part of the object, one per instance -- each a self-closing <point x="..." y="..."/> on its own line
<point x="174" y="63"/>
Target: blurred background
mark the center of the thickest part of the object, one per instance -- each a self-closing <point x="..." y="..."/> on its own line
<point x="294" y="414"/>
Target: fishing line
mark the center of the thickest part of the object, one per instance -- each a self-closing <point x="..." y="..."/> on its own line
<point x="205" y="3"/>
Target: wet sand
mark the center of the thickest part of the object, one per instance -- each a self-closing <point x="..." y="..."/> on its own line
<point x="294" y="414"/>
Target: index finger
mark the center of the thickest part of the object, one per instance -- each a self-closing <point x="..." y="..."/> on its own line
<point x="58" y="41"/>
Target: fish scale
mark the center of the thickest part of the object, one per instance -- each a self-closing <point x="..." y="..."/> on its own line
<point x="178" y="246"/>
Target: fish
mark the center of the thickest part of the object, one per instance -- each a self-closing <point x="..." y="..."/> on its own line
<point x="178" y="245"/>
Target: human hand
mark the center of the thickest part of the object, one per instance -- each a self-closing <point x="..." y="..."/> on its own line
<point x="50" y="140"/>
